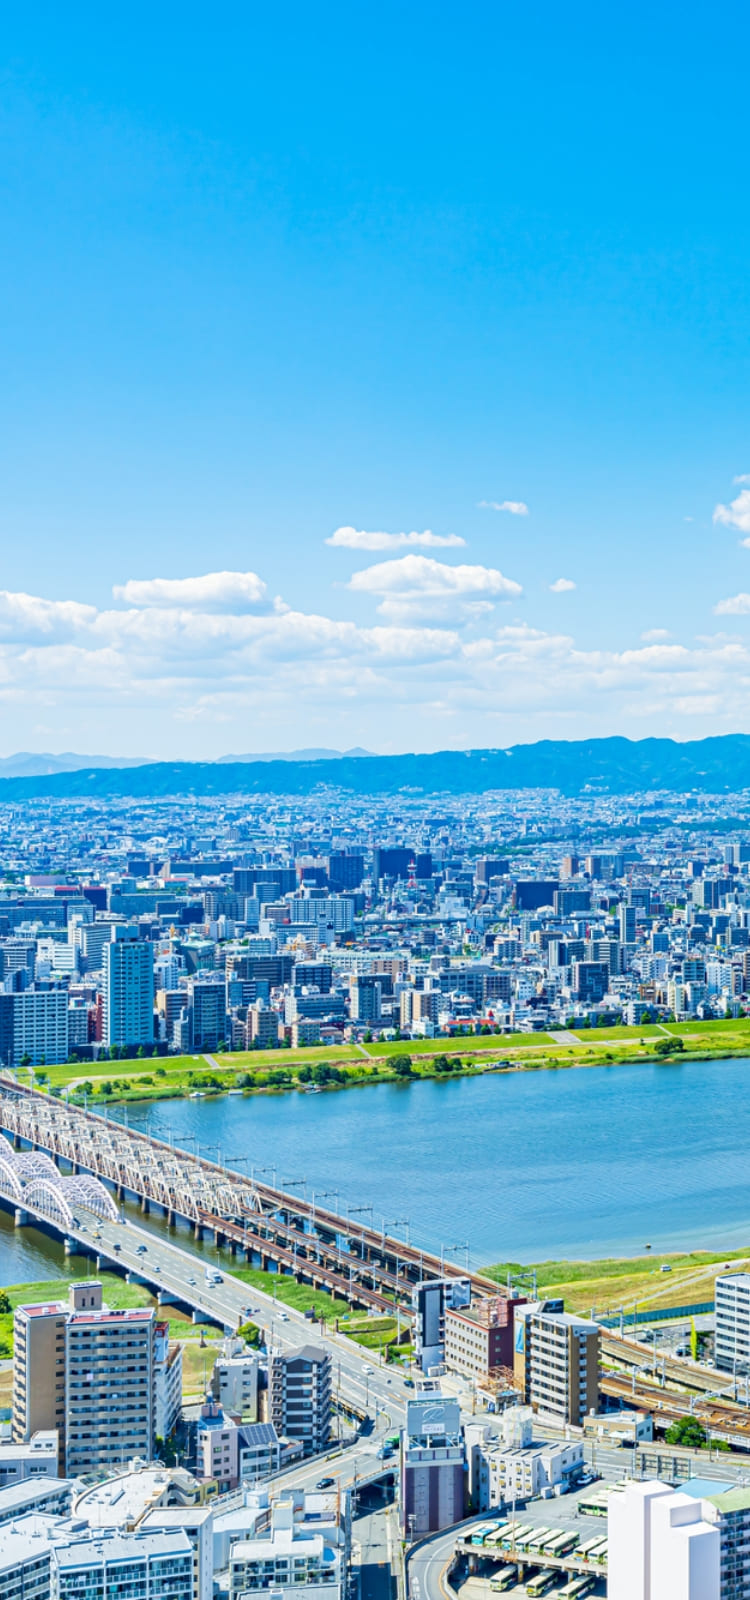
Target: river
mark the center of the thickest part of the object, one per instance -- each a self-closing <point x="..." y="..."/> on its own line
<point x="525" y="1166"/>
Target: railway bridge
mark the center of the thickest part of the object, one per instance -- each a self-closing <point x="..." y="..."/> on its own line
<point x="256" y="1220"/>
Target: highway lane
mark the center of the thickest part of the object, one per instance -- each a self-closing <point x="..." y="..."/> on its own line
<point x="358" y="1376"/>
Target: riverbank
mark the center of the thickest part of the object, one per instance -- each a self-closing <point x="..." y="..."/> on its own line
<point x="631" y="1283"/>
<point x="347" y="1066"/>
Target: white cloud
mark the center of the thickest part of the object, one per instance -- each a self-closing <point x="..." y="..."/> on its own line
<point x="742" y="477"/>
<point x="737" y="513"/>
<point x="562" y="585"/>
<point x="215" y="591"/>
<point x="152" y="666"/>
<point x="517" y="508"/>
<point x="416" y="586"/>
<point x="738" y="605"/>
<point x="356" y="539"/>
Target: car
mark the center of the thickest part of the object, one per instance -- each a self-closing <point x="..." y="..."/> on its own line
<point x="140" y="1249"/>
<point x="157" y="1268"/>
<point x="665" y="1267"/>
<point x="366" y="1367"/>
<point x="408" y="1383"/>
<point x="325" y="1483"/>
<point x="191" y="1280"/>
<point x="117" y="1245"/>
<point x="284" y="1316"/>
<point x="389" y="1380"/>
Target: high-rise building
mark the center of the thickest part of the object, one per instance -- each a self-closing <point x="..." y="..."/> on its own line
<point x="479" y="1337"/>
<point x="208" y="1012"/>
<point x="365" y="995"/>
<point x="732" y="1337"/>
<point x="626" y="919"/>
<point x="89" y="1372"/>
<point x="556" y="1360"/>
<point x="128" y="988"/>
<point x="660" y="1547"/>
<point x="299" y="1395"/>
<point x="34" y="1023"/>
<point x="431" y="1301"/>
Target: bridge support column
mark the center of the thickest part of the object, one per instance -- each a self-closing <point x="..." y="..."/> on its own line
<point x="197" y="1231"/>
<point x="21" y="1217"/>
<point x="73" y="1248"/>
<point x="170" y="1219"/>
<point x="145" y="1205"/>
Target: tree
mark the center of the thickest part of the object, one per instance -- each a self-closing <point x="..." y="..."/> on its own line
<point x="5" y="1305"/>
<point x="645" y="1017"/>
<point x="688" y="1432"/>
<point x="25" y="1059"/>
<point x="693" y="1339"/>
<point x="402" y="1066"/>
<point x="668" y="1047"/>
<point x="249" y="1332"/>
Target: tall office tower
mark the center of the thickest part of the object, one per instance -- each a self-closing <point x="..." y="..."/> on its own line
<point x="556" y="1360"/>
<point x="732" y="1337"/>
<point x="89" y="1372"/>
<point x="128" y="991"/>
<point x="365" y="995"/>
<point x="299" y="1386"/>
<point x="626" y="916"/>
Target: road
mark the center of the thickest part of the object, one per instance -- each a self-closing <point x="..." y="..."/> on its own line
<point x="425" y="1572"/>
<point x="358" y="1376"/>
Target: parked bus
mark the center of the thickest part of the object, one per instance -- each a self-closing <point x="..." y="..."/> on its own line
<point x="541" y="1583"/>
<point x="584" y="1550"/>
<point x="506" y="1578"/>
<point x="599" y="1553"/>
<point x="561" y="1544"/>
<point x="497" y="1533"/>
<point x="577" y="1588"/>
<point x="479" y="1533"/>
<point x="595" y="1506"/>
<point x="539" y="1540"/>
<point x="516" y="1535"/>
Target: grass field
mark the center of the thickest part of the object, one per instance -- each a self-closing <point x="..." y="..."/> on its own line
<point x="278" y="1071"/>
<point x="629" y="1283"/>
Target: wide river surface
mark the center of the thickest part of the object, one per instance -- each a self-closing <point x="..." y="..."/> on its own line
<point x="522" y="1166"/>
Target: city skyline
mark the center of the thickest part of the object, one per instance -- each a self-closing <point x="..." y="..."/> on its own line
<point x="359" y="393"/>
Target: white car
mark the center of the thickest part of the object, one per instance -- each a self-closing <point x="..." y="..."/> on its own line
<point x="366" y="1368"/>
<point x="284" y="1316"/>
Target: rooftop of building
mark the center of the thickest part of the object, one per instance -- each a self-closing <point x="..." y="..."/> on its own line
<point x="123" y="1500"/>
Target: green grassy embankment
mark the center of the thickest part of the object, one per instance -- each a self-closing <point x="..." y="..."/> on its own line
<point x="629" y="1283"/>
<point x="275" y="1071"/>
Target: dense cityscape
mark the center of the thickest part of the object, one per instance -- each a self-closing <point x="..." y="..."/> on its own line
<point x="236" y="934"/>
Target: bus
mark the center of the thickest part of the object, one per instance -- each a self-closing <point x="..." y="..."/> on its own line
<point x="479" y="1533"/>
<point x="506" y="1578"/>
<point x="497" y="1533"/>
<point x="599" y="1553"/>
<point x="577" y="1588"/>
<point x="540" y="1540"/>
<point x="541" y="1583"/>
<point x="562" y="1544"/>
<point x="596" y="1505"/>
<point x="584" y="1551"/>
<point x="516" y="1535"/>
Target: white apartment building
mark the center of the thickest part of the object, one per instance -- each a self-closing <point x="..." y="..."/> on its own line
<point x="660" y="1547"/>
<point x="292" y="1560"/>
<point x="118" y="1566"/>
<point x="167" y="1381"/>
<point x="54" y="1558"/>
<point x="36" y="1458"/>
<point x="234" y="1381"/>
<point x="40" y="1025"/>
<point x="732" y="1338"/>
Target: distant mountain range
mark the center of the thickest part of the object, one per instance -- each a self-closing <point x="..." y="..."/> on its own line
<point x="613" y="766"/>
<point x="28" y="765"/>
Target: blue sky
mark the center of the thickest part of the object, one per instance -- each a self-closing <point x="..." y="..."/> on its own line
<point x="267" y="274"/>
